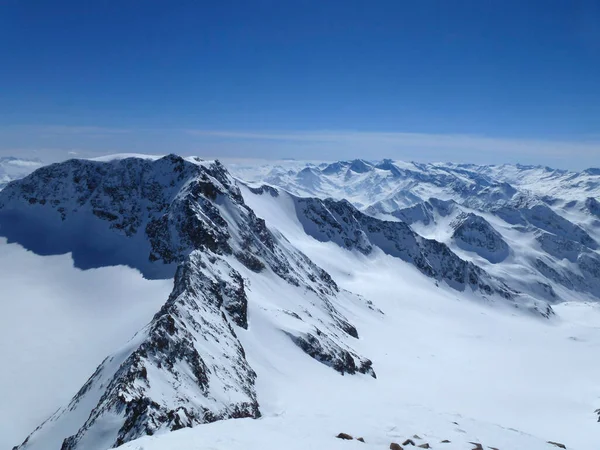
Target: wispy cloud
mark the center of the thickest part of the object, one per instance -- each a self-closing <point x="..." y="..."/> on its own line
<point x="82" y="130"/>
<point x="389" y="141"/>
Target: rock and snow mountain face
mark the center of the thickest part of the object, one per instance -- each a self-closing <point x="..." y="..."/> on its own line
<point x="341" y="223"/>
<point x="187" y="219"/>
<point x="535" y="228"/>
<point x="474" y="233"/>
<point x="250" y="312"/>
<point x="12" y="168"/>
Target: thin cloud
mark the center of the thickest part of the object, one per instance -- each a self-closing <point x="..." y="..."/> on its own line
<point x="459" y="142"/>
<point x="85" y="130"/>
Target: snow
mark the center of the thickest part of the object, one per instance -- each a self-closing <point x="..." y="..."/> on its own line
<point x="57" y="324"/>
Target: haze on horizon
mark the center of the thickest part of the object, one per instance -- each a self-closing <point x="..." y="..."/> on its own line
<point x="486" y="83"/>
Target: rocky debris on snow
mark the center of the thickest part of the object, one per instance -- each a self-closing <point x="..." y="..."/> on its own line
<point x="445" y="441"/>
<point x="426" y="445"/>
<point x="395" y="446"/>
<point x="409" y="442"/>
<point x="360" y="439"/>
<point x="344" y="436"/>
<point x="477" y="445"/>
<point x="322" y="348"/>
<point x="557" y="444"/>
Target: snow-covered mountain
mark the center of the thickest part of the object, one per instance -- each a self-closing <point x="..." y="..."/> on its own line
<point x="389" y="185"/>
<point x="414" y="281"/>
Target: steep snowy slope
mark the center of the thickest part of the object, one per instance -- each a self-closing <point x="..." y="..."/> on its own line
<point x="187" y="365"/>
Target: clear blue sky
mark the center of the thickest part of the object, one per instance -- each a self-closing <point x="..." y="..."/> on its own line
<point x="407" y="79"/>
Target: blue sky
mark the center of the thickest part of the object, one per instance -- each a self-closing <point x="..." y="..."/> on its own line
<point x="482" y="81"/>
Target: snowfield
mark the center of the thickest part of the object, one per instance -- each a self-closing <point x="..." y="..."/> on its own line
<point x="313" y="321"/>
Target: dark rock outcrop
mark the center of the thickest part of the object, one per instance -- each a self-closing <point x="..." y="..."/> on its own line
<point x="475" y="234"/>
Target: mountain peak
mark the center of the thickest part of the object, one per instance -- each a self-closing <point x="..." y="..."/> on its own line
<point x="360" y="166"/>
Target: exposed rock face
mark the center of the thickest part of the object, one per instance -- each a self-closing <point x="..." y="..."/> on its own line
<point x="324" y="349"/>
<point x="543" y="217"/>
<point x="593" y="206"/>
<point x="475" y="234"/>
<point x="182" y="218"/>
<point x="559" y="247"/>
<point x="582" y="270"/>
<point x="421" y="212"/>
